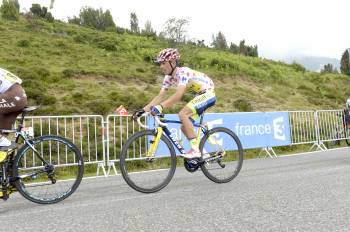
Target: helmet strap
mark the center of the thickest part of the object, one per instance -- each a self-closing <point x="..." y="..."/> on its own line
<point x="173" y="67"/>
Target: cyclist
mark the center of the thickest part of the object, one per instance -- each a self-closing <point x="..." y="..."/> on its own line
<point x="347" y="114"/>
<point x="184" y="79"/>
<point x="12" y="100"/>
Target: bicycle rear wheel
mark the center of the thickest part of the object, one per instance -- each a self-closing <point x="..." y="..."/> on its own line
<point x="226" y="154"/>
<point x="141" y="173"/>
<point x="53" y="181"/>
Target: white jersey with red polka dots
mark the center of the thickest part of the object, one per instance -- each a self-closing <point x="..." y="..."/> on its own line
<point x="7" y="79"/>
<point x="195" y="82"/>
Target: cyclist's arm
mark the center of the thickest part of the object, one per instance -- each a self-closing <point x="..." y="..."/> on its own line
<point x="180" y="90"/>
<point x="157" y="99"/>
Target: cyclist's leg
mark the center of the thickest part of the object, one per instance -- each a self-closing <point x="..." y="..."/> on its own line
<point x="187" y="126"/>
<point x="195" y="107"/>
<point x="11" y="103"/>
<point x="188" y="129"/>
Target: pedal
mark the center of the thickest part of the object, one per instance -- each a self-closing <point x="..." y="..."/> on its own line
<point x="4" y="195"/>
<point x="150" y="160"/>
<point x="221" y="164"/>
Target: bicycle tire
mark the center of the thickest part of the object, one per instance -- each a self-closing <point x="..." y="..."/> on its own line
<point x="48" y="145"/>
<point x="131" y="176"/>
<point x="210" y="173"/>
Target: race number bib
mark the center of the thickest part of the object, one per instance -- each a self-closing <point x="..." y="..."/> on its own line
<point x="12" y="78"/>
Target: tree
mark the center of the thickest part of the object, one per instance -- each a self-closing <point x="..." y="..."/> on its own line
<point x="41" y="12"/>
<point x="200" y="43"/>
<point x="36" y="9"/>
<point x="16" y="4"/>
<point x="345" y="62"/>
<point x="74" y="20"/>
<point x="246" y="50"/>
<point x="149" y="31"/>
<point x="96" y="18"/>
<point x="219" y="41"/>
<point x="251" y="51"/>
<point x="242" y="48"/>
<point x="148" y="28"/>
<point x="175" y="30"/>
<point x="10" y="9"/>
<point x="328" y="68"/>
<point x="234" y="48"/>
<point x="109" y="24"/>
<point x="134" y="23"/>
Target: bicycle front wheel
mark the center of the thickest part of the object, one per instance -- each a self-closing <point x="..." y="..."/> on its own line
<point x="141" y="172"/>
<point x="49" y="171"/>
<point x="224" y="154"/>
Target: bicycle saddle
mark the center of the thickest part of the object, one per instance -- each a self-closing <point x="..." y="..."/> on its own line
<point x="29" y="108"/>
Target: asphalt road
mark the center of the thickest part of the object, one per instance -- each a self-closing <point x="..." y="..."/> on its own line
<point x="309" y="192"/>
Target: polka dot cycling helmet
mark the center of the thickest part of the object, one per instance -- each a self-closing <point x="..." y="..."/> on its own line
<point x="168" y="54"/>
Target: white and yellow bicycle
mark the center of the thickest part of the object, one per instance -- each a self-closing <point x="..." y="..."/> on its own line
<point x="148" y="158"/>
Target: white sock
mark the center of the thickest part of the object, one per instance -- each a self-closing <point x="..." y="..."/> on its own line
<point x="4" y="142"/>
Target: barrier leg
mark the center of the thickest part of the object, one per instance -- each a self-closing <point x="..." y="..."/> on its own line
<point x="101" y="165"/>
<point x="318" y="146"/>
<point x="272" y="151"/>
<point x="269" y="152"/>
<point x="111" y="165"/>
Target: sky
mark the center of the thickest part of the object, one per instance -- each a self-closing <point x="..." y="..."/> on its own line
<point x="280" y="28"/>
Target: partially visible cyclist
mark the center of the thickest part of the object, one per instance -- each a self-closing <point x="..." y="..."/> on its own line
<point x="184" y="79"/>
<point x="347" y="114"/>
<point x="12" y="100"/>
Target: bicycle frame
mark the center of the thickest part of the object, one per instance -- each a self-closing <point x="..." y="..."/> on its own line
<point x="160" y="129"/>
<point x="21" y="134"/>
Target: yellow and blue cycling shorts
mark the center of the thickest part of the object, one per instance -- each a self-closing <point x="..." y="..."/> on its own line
<point x="202" y="102"/>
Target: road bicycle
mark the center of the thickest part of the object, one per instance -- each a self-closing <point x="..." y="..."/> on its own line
<point x="148" y="158"/>
<point x="45" y="169"/>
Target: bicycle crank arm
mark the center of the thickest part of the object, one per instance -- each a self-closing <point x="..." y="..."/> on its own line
<point x="221" y="164"/>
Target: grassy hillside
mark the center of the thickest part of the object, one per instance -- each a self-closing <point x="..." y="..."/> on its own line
<point x="74" y="70"/>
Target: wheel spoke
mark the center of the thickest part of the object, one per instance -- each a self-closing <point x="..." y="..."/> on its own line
<point x="225" y="148"/>
<point x="147" y="174"/>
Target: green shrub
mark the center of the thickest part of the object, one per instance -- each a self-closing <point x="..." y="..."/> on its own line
<point x="107" y="44"/>
<point x="298" y="67"/>
<point x="68" y="72"/>
<point x="101" y="107"/>
<point x="243" y="105"/>
<point x="23" y="43"/>
<point x="81" y="38"/>
<point x="140" y="70"/>
<point x="214" y="62"/>
<point x="48" y="100"/>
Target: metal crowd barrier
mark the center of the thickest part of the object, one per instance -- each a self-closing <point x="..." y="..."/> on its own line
<point x="119" y="129"/>
<point x="304" y="128"/>
<point x="332" y="126"/>
<point x="100" y="141"/>
<point x="85" y="131"/>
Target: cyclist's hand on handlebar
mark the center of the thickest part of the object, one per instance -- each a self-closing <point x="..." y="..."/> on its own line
<point x="138" y="113"/>
<point x="156" y="110"/>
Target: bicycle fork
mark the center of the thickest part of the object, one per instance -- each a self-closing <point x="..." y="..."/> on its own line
<point x="154" y="144"/>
